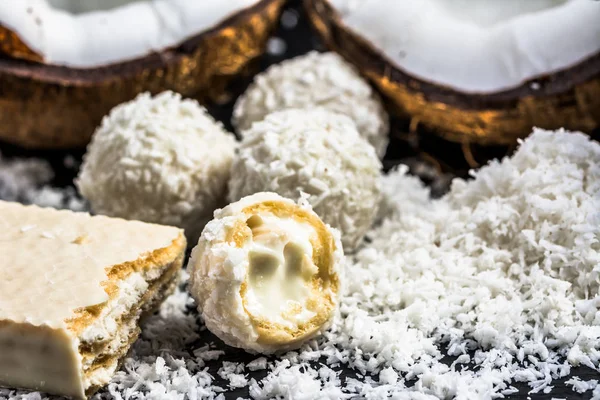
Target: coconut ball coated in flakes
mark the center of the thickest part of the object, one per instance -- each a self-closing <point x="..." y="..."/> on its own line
<point x="315" y="80"/>
<point x="317" y="154"/>
<point x="266" y="273"/>
<point x="158" y="159"/>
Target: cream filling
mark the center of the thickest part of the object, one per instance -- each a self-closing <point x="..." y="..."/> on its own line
<point x="280" y="270"/>
<point x="114" y="346"/>
<point x="101" y="376"/>
<point x="131" y="291"/>
<point x="106" y="325"/>
<point x="119" y="342"/>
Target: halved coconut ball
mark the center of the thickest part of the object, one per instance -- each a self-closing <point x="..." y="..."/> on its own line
<point x="266" y="273"/>
<point x="475" y="71"/>
<point x="81" y="58"/>
<point x="315" y="154"/>
<point x="158" y="159"/>
<point x="315" y="80"/>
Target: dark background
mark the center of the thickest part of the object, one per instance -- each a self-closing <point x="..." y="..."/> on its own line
<point x="432" y="159"/>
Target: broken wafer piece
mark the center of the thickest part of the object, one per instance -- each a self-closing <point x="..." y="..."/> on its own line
<point x="266" y="273"/>
<point x="73" y="289"/>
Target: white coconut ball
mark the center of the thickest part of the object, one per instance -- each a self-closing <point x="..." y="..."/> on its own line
<point x="266" y="273"/>
<point x="315" y="79"/>
<point x="316" y="153"/>
<point x="158" y="159"/>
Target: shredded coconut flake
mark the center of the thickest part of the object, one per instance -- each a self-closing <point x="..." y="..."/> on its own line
<point x="233" y="372"/>
<point x="21" y="178"/>
<point x="502" y="274"/>
<point x="258" y="364"/>
<point x="27" y="181"/>
<point x="300" y="382"/>
<point x="580" y="386"/>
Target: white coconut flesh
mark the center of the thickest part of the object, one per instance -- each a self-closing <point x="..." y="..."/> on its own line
<point x="482" y="46"/>
<point x="93" y="33"/>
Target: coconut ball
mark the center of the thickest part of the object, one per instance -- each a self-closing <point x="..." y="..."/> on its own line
<point x="315" y="79"/>
<point x="158" y="159"/>
<point x="266" y="273"/>
<point x="317" y="154"/>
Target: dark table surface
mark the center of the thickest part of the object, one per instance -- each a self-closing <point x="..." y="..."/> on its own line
<point x="299" y="39"/>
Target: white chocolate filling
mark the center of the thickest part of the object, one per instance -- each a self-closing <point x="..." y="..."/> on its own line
<point x="280" y="270"/>
<point x="107" y="324"/>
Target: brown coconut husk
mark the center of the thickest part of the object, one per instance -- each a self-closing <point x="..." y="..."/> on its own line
<point x="569" y="98"/>
<point x="47" y="106"/>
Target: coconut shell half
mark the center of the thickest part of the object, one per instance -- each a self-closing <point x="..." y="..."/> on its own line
<point x="49" y="106"/>
<point x="569" y="98"/>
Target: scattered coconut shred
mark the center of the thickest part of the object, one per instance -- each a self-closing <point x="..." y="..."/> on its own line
<point x="502" y="274"/>
<point x="26" y="181"/>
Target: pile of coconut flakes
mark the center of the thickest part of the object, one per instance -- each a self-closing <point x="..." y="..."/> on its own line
<point x="502" y="274"/>
<point x="28" y="181"/>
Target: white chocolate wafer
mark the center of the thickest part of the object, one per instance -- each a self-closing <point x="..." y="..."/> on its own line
<point x="73" y="288"/>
